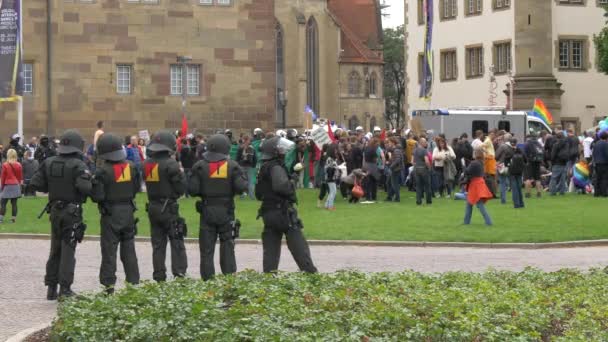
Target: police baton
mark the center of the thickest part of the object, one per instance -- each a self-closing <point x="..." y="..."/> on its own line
<point x="162" y="210"/>
<point x="44" y="210"/>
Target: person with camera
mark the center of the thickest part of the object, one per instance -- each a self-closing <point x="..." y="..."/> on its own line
<point x="278" y="196"/>
<point x="217" y="179"/>
<point x="67" y="180"/>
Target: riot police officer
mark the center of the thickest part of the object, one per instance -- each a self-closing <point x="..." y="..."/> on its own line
<point x="44" y="150"/>
<point x="278" y="195"/>
<point x="165" y="184"/>
<point x="68" y="182"/>
<point x="114" y="187"/>
<point x="217" y="179"/>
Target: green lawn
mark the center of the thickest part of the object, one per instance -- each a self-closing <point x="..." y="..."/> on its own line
<point x="549" y="219"/>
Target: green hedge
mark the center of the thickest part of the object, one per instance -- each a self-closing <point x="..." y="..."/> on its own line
<point x="349" y="306"/>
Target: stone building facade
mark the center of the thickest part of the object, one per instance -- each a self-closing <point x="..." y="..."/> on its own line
<point x="116" y="61"/>
<point x="325" y="42"/>
<point x="545" y="45"/>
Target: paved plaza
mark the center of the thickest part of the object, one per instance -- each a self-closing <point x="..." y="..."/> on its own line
<point x="22" y="291"/>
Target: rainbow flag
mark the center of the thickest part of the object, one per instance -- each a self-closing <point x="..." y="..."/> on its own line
<point x="541" y="112"/>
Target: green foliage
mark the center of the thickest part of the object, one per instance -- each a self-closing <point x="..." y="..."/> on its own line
<point x="601" y="44"/>
<point x="348" y="306"/>
<point x="394" y="75"/>
<point x="548" y="219"/>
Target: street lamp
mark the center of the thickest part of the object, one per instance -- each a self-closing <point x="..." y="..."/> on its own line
<point x="183" y="64"/>
<point x="283" y="104"/>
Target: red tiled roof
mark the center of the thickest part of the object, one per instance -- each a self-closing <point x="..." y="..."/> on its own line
<point x="361" y="27"/>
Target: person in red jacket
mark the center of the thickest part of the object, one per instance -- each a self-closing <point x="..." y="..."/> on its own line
<point x="11" y="180"/>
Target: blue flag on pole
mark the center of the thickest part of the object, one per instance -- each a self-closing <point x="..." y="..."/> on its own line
<point x="310" y="112"/>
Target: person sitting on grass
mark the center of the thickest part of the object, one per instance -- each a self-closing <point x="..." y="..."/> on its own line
<point x="477" y="190"/>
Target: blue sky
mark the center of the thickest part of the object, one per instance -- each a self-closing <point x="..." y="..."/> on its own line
<point x="395" y="12"/>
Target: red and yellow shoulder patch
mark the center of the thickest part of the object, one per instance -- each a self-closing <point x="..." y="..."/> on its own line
<point x="122" y="172"/>
<point x="151" y="172"/>
<point x="218" y="169"/>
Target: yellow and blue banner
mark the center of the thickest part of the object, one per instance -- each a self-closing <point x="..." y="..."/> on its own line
<point x="11" y="50"/>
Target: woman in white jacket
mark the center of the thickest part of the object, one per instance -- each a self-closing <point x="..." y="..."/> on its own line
<point x="443" y="156"/>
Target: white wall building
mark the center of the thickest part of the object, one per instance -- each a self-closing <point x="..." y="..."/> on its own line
<point x="546" y="44"/>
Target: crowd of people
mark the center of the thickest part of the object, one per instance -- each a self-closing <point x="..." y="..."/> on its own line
<point x="269" y="166"/>
<point x="426" y="163"/>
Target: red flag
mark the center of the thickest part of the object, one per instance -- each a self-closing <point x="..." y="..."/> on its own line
<point x="383" y="135"/>
<point x="184" y="130"/>
<point x="182" y="133"/>
<point x="330" y="132"/>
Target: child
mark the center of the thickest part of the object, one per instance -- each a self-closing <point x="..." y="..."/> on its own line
<point x="477" y="190"/>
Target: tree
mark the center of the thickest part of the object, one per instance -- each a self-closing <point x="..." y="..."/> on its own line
<point x="394" y="75"/>
<point x="601" y="44"/>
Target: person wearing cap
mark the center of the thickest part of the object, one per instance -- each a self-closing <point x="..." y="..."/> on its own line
<point x="165" y="184"/>
<point x="217" y="179"/>
<point x="114" y="188"/>
<point x="15" y="145"/>
<point x="67" y="180"/>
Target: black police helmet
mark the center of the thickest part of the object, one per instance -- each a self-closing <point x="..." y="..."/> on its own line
<point x="109" y="147"/>
<point x="162" y="141"/>
<point x="270" y="148"/>
<point x="70" y="142"/>
<point x="218" y="147"/>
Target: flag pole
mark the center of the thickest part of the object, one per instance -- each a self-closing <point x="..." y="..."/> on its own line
<point x="20" y="98"/>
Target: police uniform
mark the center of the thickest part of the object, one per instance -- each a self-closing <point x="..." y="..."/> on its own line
<point x="68" y="182"/>
<point x="278" y="195"/>
<point x="114" y="188"/>
<point x="216" y="179"/>
<point x="165" y="184"/>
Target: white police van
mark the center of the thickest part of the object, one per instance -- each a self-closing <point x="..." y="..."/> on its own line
<point x="454" y="121"/>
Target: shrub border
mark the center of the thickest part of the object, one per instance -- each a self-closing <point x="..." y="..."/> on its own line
<point x="365" y="243"/>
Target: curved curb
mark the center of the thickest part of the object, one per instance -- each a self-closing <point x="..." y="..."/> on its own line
<point x="20" y="336"/>
<point x="367" y="243"/>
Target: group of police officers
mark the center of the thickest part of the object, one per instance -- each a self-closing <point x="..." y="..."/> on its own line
<point x="215" y="179"/>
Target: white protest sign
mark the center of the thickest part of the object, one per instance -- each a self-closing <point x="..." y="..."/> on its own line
<point x="320" y="137"/>
<point x="144" y="135"/>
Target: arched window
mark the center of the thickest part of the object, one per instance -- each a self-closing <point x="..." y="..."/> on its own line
<point x="373" y="85"/>
<point x="312" y="64"/>
<point x="280" y="75"/>
<point x="353" y="122"/>
<point x="372" y="123"/>
<point x="354" y="83"/>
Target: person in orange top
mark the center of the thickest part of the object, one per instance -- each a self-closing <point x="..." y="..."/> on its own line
<point x="10" y="184"/>
<point x="477" y="191"/>
<point x="490" y="159"/>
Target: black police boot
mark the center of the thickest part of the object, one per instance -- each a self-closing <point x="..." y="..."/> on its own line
<point x="51" y="292"/>
<point x="66" y="292"/>
<point x="109" y="290"/>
